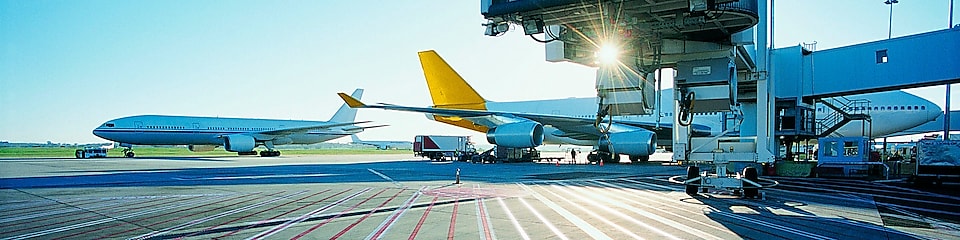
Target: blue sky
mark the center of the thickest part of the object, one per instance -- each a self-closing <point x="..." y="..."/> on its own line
<point x="67" y="66"/>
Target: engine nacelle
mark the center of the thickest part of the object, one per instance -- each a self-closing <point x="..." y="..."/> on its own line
<point x="202" y="148"/>
<point x="635" y="143"/>
<point x="239" y="143"/>
<point x="516" y="135"/>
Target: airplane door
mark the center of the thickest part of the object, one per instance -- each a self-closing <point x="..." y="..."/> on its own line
<point x="196" y="127"/>
<point x="139" y="126"/>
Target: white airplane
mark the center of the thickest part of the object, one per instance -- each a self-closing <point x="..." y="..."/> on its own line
<point x="241" y="135"/>
<point x="383" y="145"/>
<point x="524" y="124"/>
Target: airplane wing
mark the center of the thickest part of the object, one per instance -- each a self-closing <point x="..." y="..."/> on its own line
<point x="293" y="130"/>
<point x="573" y="127"/>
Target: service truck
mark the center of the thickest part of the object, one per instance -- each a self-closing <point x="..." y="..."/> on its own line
<point x="937" y="160"/>
<point x="439" y="148"/>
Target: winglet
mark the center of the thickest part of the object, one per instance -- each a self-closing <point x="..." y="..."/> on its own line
<point x="352" y="102"/>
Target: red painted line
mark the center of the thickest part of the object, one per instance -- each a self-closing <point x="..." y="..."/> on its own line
<point x="345" y="230"/>
<point x="192" y="214"/>
<point x="453" y="217"/>
<point x="401" y="209"/>
<point x="74" y="220"/>
<point x="423" y="218"/>
<point x="483" y="218"/>
<point x="284" y="213"/>
<point x="337" y="216"/>
<point x="126" y="222"/>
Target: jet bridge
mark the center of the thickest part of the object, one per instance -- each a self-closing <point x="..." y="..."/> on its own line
<point x="721" y="67"/>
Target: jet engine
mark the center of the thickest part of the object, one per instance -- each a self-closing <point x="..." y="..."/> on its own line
<point x="634" y="143"/>
<point x="516" y="135"/>
<point x="239" y="143"/>
<point x="202" y="148"/>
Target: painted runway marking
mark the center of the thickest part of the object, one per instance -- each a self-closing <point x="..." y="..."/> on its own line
<point x="304" y="217"/>
<point x="386" y="224"/>
<point x="483" y="220"/>
<point x="386" y="177"/>
<point x="636" y="192"/>
<point x="107" y="220"/>
<point x="513" y="219"/>
<point x="423" y="218"/>
<point x="594" y="213"/>
<point x="453" y="216"/>
<point x="284" y="213"/>
<point x="766" y="224"/>
<point x="600" y="195"/>
<point x="345" y="211"/>
<point x="254" y="213"/>
<point x="139" y="227"/>
<point x="372" y="211"/>
<point x="260" y="177"/>
<point x="219" y="215"/>
<point x="583" y="225"/>
<point x="544" y="220"/>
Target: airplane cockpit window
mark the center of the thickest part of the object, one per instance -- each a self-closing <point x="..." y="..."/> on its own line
<point x="109" y="125"/>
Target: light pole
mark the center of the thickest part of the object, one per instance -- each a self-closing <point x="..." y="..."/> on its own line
<point x="890" y="24"/>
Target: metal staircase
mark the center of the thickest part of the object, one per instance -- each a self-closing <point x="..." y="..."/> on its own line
<point x="844" y="111"/>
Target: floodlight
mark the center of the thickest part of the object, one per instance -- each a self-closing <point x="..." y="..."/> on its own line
<point x="532" y="26"/>
<point x="608" y="54"/>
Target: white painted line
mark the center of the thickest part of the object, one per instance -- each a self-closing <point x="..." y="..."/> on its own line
<point x="513" y="219"/>
<point x="387" y="223"/>
<point x="260" y="177"/>
<point x="543" y="220"/>
<point x="69" y="209"/>
<point x="583" y="225"/>
<point x="765" y="224"/>
<point x="649" y="215"/>
<point x="593" y="213"/>
<point x="219" y="215"/>
<point x="106" y="220"/>
<point x="385" y="177"/>
<point x="634" y="192"/>
<point x="304" y="217"/>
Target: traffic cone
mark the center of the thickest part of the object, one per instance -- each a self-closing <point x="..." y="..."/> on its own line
<point x="558" y="162"/>
<point x="601" y="162"/>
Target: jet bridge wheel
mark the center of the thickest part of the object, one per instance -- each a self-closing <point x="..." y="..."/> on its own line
<point x="128" y="154"/>
<point x="750" y="173"/>
<point x="692" y="172"/>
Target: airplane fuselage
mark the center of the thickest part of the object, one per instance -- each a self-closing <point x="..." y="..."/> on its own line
<point x="187" y="130"/>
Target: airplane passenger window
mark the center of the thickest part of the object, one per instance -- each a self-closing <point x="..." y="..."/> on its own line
<point x="923" y="107"/>
<point x="916" y="107"/>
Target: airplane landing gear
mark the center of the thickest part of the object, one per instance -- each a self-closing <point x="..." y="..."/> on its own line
<point x="606" y="157"/>
<point x="270" y="153"/>
<point x="128" y="152"/>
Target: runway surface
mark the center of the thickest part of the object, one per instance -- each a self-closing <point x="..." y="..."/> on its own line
<point x="399" y="197"/>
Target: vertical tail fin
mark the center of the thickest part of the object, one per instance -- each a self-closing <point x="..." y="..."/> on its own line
<point x="447" y="88"/>
<point x="346" y="113"/>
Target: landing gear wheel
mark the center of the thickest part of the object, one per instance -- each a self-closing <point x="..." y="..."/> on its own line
<point x="692" y="172"/>
<point x="128" y="154"/>
<point x="593" y="157"/>
<point x="750" y="173"/>
<point x="269" y="153"/>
